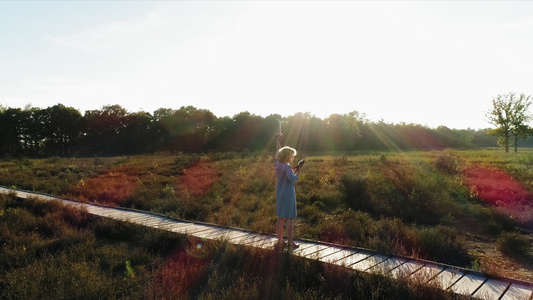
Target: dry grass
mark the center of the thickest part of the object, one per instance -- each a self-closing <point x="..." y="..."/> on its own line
<point x="419" y="199"/>
<point x="51" y="251"/>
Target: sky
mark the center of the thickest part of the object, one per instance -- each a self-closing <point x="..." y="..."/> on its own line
<point x="425" y="62"/>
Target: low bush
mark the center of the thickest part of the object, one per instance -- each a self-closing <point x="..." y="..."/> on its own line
<point x="448" y="162"/>
<point x="183" y="161"/>
<point x="355" y="193"/>
<point x="442" y="244"/>
<point x="351" y="198"/>
<point x="514" y="244"/>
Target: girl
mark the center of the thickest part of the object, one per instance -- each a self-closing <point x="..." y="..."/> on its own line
<point x="285" y="193"/>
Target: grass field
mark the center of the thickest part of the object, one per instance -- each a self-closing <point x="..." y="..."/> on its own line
<point x="52" y="251"/>
<point x="469" y="208"/>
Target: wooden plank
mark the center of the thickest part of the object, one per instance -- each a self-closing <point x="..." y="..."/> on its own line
<point x="198" y="228"/>
<point x="148" y="221"/>
<point x="518" y="291"/>
<point x="179" y="228"/>
<point x="302" y="245"/>
<point x="426" y="273"/>
<point x="245" y="240"/>
<point x="492" y="289"/>
<point x="446" y="278"/>
<point x="369" y="262"/>
<point x="241" y="239"/>
<point x="210" y="234"/>
<point x="267" y="242"/>
<point x="354" y="258"/>
<point x="134" y="215"/>
<point x="468" y="284"/>
<point x="111" y="213"/>
<point x="130" y="216"/>
<point x="139" y="218"/>
<point x="312" y="252"/>
<point x="230" y="235"/>
<point x="327" y="252"/>
<point x="270" y="244"/>
<point x="156" y="223"/>
<point x="165" y="225"/>
<point x="339" y="257"/>
<point x="180" y="224"/>
<point x="255" y="239"/>
<point x="152" y="222"/>
<point x="95" y="209"/>
<point x="222" y="234"/>
<point x="26" y="195"/>
<point x="387" y="265"/>
<point x="406" y="269"/>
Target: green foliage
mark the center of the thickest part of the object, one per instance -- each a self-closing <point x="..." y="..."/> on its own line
<point x="355" y="192"/>
<point x="258" y="274"/>
<point x="91" y="258"/>
<point x="51" y="251"/>
<point x="403" y="203"/>
<point x="111" y="130"/>
<point x="509" y="113"/>
<point x="442" y="243"/>
<point x="182" y="162"/>
<point x="448" y="162"/>
<point x="515" y="244"/>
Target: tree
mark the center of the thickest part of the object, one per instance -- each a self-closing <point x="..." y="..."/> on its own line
<point x="510" y="114"/>
<point x="343" y="130"/>
<point x="11" y="131"/>
<point x="188" y="129"/>
<point x="519" y="119"/>
<point x="137" y="136"/>
<point x="103" y="128"/>
<point x="62" y="128"/>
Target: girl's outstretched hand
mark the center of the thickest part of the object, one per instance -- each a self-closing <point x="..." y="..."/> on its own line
<point x="279" y="137"/>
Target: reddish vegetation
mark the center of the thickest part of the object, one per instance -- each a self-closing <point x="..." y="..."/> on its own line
<point x="496" y="187"/>
<point x="198" y="179"/>
<point x="177" y="276"/>
<point x="111" y="188"/>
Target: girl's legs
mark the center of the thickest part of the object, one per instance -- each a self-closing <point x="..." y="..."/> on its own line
<point x="290" y="235"/>
<point x="290" y="231"/>
<point x="279" y="227"/>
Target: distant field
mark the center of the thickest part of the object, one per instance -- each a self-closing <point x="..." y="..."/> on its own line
<point x="465" y="208"/>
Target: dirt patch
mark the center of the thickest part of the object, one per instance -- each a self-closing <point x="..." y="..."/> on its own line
<point x="495" y="263"/>
<point x="198" y="178"/>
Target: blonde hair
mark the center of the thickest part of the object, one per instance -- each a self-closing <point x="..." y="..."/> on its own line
<point x="285" y="153"/>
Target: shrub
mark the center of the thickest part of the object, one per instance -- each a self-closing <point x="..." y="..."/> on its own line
<point x="183" y="161"/>
<point x="391" y="236"/>
<point x="448" y="162"/>
<point x="311" y="214"/>
<point x="332" y="231"/>
<point x="442" y="244"/>
<point x="492" y="221"/>
<point x="355" y="192"/>
<point x="176" y="278"/>
<point x="514" y="244"/>
<point x="326" y="201"/>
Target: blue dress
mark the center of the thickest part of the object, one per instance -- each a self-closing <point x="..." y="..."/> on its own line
<point x="285" y="192"/>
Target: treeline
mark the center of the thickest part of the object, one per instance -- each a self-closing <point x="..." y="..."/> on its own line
<point x="111" y="130"/>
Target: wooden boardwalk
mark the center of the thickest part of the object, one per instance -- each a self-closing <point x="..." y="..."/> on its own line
<point x="459" y="280"/>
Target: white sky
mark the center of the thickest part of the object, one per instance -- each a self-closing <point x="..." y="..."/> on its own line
<point x="431" y="63"/>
